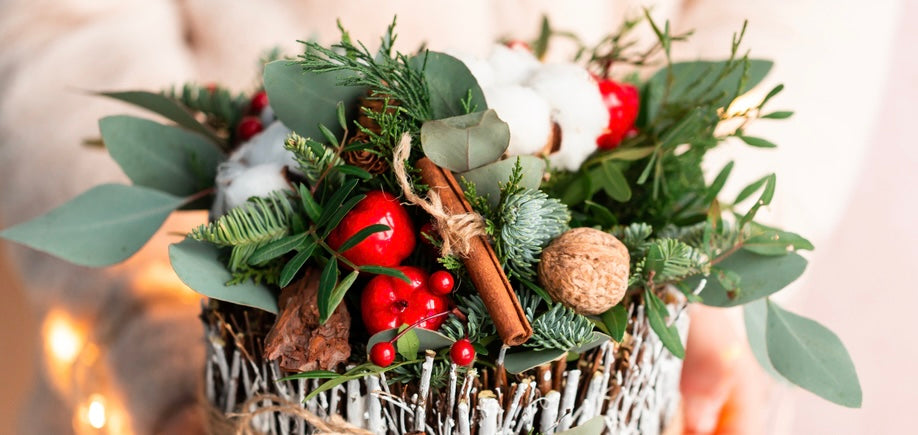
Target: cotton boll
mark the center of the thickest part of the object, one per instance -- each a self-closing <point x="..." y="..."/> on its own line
<point x="526" y="113"/>
<point x="512" y="66"/>
<point x="267" y="116"/>
<point x="480" y="68"/>
<point x="577" y="107"/>
<point x="245" y="183"/>
<point x="266" y="147"/>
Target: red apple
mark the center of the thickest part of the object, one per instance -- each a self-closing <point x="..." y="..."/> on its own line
<point x="622" y="101"/>
<point x="389" y="302"/>
<point x="385" y="248"/>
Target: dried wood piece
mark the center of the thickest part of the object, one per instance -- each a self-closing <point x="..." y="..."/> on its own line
<point x="297" y="339"/>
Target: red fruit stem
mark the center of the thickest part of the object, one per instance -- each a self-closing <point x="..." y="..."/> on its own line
<point x="418" y="322"/>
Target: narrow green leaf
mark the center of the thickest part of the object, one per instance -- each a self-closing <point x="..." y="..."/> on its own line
<point x="163" y="157"/>
<point x="601" y="213"/>
<point x="776" y="242"/>
<point x="519" y="362"/>
<point x="329" y="136"/>
<point x="427" y="339"/>
<point x="388" y="271"/>
<point x="327" y="282"/>
<point x="102" y="226"/>
<point x="338" y="293"/>
<point x="577" y="190"/>
<point x="754" y="315"/>
<point x="750" y="189"/>
<point x="315" y="374"/>
<point x="337" y="198"/>
<point x="342" y="120"/>
<point x="629" y="154"/>
<point x="759" y="275"/>
<point x="765" y="199"/>
<point x="361" y="235"/>
<point x="778" y="115"/>
<point x="296" y="263"/>
<point x="354" y="171"/>
<point x="718" y="184"/>
<point x="616" y="320"/>
<point x="657" y="315"/>
<point x="339" y="214"/>
<point x="811" y="356"/>
<point x="165" y="106"/>
<point x="277" y="248"/>
<point x="358" y="372"/>
<point x="198" y="265"/>
<point x="757" y="142"/>
<point x="313" y="209"/>
<point x="408" y="345"/>
<point x="614" y="182"/>
<point x="774" y="91"/>
<point x="646" y="172"/>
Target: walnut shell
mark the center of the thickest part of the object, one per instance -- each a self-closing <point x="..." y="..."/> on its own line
<point x="586" y="270"/>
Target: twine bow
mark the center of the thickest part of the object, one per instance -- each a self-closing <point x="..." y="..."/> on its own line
<point x="455" y="229"/>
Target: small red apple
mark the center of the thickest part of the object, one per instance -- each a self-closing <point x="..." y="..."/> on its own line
<point x="385" y="248"/>
<point x="622" y="101"/>
<point x="389" y="302"/>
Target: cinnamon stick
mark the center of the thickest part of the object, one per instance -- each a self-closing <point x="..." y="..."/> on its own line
<point x="482" y="264"/>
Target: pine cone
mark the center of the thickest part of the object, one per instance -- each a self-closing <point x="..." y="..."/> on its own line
<point x="364" y="159"/>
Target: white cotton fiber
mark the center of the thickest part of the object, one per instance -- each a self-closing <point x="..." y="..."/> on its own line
<point x="576" y="106"/>
<point x="259" y="180"/>
<point x="512" y="66"/>
<point x="480" y="68"/>
<point x="527" y="115"/>
<point x="266" y="147"/>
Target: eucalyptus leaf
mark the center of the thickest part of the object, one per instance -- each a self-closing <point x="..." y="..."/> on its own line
<point x="165" y="106"/>
<point x="776" y="242"/>
<point x="198" y="265"/>
<point x="427" y="339"/>
<point x="465" y="142"/>
<point x="449" y="83"/>
<point x="519" y="362"/>
<point x="811" y="356"/>
<point x="754" y="315"/>
<point x="701" y="80"/>
<point x="616" y="320"/>
<point x="613" y="182"/>
<point x="165" y="158"/>
<point x="658" y="315"/>
<point x="305" y="100"/>
<point x="759" y="275"/>
<point x="408" y="345"/>
<point x="592" y="426"/>
<point x="578" y="189"/>
<point x="102" y="226"/>
<point x="487" y="178"/>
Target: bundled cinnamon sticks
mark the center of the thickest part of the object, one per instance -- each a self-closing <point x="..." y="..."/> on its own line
<point x="482" y="264"/>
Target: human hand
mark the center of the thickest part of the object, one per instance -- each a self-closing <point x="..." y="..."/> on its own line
<point x="724" y="391"/>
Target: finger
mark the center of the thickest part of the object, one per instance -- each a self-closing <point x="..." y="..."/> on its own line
<point x="743" y="412"/>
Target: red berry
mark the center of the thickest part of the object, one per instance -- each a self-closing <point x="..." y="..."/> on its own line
<point x="622" y="101"/>
<point x="249" y="126"/>
<point x="462" y="353"/>
<point x="388" y="302"/>
<point x="385" y="248"/>
<point x="441" y="282"/>
<point x="382" y="354"/>
<point x="259" y="102"/>
<point x="211" y="88"/>
<point x="516" y="44"/>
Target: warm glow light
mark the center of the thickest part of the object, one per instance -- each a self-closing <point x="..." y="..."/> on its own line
<point x="95" y="414"/>
<point x="62" y="337"/>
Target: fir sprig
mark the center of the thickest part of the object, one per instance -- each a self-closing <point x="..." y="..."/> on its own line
<point x="560" y="328"/>
<point x="222" y="108"/>
<point x="477" y="323"/>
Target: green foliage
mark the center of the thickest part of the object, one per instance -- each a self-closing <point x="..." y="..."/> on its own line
<point x="249" y="227"/>
<point x="313" y="158"/>
<point x="222" y="108"/>
<point x="527" y="221"/>
<point x="659" y="318"/>
<point x="477" y="323"/>
<point x="451" y="87"/>
<point x="168" y="108"/>
<point x="101" y="227"/>
<point x="758" y="276"/>
<point x="465" y="142"/>
<point x="560" y="328"/>
<point x="671" y="260"/>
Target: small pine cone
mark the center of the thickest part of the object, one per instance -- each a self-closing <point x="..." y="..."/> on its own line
<point x="364" y="159"/>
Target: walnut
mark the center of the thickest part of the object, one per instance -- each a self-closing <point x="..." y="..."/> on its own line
<point x="586" y="270"/>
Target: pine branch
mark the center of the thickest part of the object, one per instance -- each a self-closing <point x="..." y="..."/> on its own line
<point x="478" y="322"/>
<point x="221" y="107"/>
<point x="560" y="328"/>
<point x="313" y="158"/>
<point x="248" y="227"/>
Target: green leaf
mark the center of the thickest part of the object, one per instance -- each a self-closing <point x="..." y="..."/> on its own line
<point x="765" y="199"/>
<point x="776" y="242"/>
<point x="198" y="265"/>
<point x="578" y="189"/>
<point x="408" y="345"/>
<point x="519" y="362"/>
<point x="657" y="315"/>
<point x="754" y="315"/>
<point x="427" y="339"/>
<point x="338" y="293"/>
<point x="388" y="271"/>
<point x="616" y="320"/>
<point x="592" y="426"/>
<point x="165" y="106"/>
<point x="296" y="263"/>
<point x="277" y="248"/>
<point x="340" y="213"/>
<point x="165" y="158"/>
<point x="757" y="142"/>
<point x="759" y="275"/>
<point x="304" y="100"/>
<point x="329" y="136"/>
<point x="811" y="356"/>
<point x="354" y="171"/>
<point x="340" y="111"/>
<point x="487" y="178"/>
<point x="449" y="82"/>
<point x="102" y="226"/>
<point x="336" y="198"/>
<point x="701" y="80"/>
<point x="778" y="115"/>
<point x="313" y="209"/>
<point x="629" y="154"/>
<point x="750" y="189"/>
<point x="315" y="374"/>
<point x="718" y="184"/>
<point x="361" y="235"/>
<point x="613" y="182"/>
<point x="327" y="282"/>
<point x="465" y="142"/>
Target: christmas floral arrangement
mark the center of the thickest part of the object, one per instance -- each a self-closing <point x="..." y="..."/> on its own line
<point x="457" y="242"/>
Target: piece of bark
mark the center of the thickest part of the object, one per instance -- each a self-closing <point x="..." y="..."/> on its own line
<point x="298" y="340"/>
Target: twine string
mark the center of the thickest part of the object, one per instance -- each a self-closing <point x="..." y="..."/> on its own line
<point x="455" y="229"/>
<point x="333" y="425"/>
